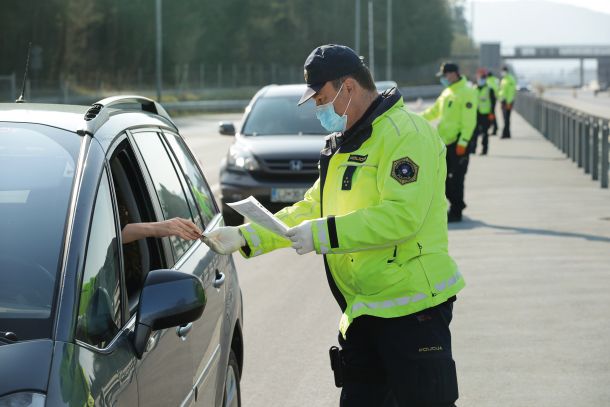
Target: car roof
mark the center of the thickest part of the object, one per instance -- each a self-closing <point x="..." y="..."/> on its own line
<point x="113" y="112"/>
<point x="284" y="90"/>
<point x="67" y="117"/>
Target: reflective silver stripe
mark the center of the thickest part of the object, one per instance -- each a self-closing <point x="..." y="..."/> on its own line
<point x="256" y="240"/>
<point x="406" y="300"/>
<point x="322" y="237"/>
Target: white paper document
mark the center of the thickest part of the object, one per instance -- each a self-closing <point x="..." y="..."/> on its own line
<point x="252" y="209"/>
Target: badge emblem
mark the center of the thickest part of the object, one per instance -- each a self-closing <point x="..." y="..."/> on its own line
<point x="404" y="170"/>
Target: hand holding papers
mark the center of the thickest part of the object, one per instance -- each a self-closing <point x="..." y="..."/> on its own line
<point x="252" y="209"/>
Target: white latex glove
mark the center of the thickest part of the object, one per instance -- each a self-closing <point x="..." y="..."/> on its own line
<point x="224" y="240"/>
<point x="301" y="237"/>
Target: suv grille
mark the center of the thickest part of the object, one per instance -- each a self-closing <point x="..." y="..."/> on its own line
<point x="291" y="166"/>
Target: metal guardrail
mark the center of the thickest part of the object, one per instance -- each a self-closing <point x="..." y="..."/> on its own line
<point x="581" y="136"/>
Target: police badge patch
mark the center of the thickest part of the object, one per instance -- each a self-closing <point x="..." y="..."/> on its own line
<point x="404" y="170"/>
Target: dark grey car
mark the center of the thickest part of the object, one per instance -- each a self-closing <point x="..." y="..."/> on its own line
<point x="275" y="154"/>
<point x="84" y="319"/>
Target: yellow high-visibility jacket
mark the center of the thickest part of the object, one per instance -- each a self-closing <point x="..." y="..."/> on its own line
<point x="457" y="109"/>
<point x="380" y="216"/>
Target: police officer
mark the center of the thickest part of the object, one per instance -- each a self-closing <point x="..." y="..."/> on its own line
<point x="457" y="109"/>
<point x="377" y="213"/>
<point x="508" y="87"/>
<point x="494" y="84"/>
<point x="486" y="99"/>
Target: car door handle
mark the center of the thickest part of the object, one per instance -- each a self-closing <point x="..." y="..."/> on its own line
<point x="183" y="331"/>
<point x="220" y="279"/>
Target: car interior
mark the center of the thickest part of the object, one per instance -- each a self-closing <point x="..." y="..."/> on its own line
<point x="141" y="256"/>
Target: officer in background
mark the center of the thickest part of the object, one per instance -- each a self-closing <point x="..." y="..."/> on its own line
<point x="381" y="225"/>
<point x="494" y="84"/>
<point x="508" y="87"/>
<point x="486" y="100"/>
<point x="457" y="109"/>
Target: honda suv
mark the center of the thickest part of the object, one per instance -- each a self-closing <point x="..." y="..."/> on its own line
<point x="275" y="154"/>
<point x="85" y="319"/>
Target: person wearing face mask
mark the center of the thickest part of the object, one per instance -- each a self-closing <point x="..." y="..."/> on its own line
<point x="378" y="215"/>
<point x="508" y="87"/>
<point x="456" y="109"/>
<point x="487" y="99"/>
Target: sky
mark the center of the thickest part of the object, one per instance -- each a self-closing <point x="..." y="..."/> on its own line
<point x="595" y="5"/>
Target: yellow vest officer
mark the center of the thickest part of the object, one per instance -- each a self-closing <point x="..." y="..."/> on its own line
<point x="508" y="89"/>
<point x="377" y="214"/>
<point x="456" y="109"/>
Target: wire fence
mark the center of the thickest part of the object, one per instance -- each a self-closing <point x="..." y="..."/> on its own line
<point x="187" y="82"/>
<point x="581" y="136"/>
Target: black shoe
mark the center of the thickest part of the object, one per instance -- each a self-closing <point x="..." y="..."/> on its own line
<point x="484" y="152"/>
<point x="454" y="217"/>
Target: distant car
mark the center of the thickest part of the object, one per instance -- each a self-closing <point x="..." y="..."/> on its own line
<point x="382" y="86"/>
<point x="84" y="319"/>
<point x="275" y="154"/>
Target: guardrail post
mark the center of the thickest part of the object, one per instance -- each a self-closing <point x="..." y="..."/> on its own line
<point x="579" y="140"/>
<point x="604" y="169"/>
<point x="587" y="145"/>
<point x="595" y="150"/>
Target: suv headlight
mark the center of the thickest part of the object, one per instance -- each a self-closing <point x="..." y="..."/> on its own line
<point x="23" y="399"/>
<point x="240" y="159"/>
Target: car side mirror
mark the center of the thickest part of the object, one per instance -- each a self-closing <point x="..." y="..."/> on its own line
<point x="226" y="128"/>
<point x="169" y="298"/>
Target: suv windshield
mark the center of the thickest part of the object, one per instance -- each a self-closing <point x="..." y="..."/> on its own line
<point x="37" y="165"/>
<point x="281" y="116"/>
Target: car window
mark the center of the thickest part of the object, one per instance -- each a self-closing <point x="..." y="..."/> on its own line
<point x="281" y="116"/>
<point x="99" y="310"/>
<point x="134" y="205"/>
<point x="169" y="190"/>
<point x="37" y="167"/>
<point x="195" y="180"/>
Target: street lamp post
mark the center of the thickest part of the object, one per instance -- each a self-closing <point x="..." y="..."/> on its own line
<point x="357" y="28"/>
<point x="159" y="48"/>
<point x="371" y="40"/>
<point x="388" y="68"/>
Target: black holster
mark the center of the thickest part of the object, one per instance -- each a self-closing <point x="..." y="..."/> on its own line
<point x="336" y="364"/>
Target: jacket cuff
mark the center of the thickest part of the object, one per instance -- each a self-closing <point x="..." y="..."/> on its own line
<point x="463" y="143"/>
<point x="321" y="234"/>
<point x="253" y="245"/>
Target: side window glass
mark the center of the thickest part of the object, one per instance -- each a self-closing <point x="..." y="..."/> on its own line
<point x="99" y="311"/>
<point x="167" y="185"/>
<point x="196" y="181"/>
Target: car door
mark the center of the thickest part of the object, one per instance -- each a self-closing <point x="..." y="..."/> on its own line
<point x="165" y="372"/>
<point x="193" y="257"/>
<point x="99" y="368"/>
<point x="208" y="341"/>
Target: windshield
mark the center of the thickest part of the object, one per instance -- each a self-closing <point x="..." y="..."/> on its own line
<point x="281" y="116"/>
<point x="37" y="165"/>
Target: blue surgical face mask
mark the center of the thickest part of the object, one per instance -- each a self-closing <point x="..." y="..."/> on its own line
<point x="329" y="119"/>
<point x="481" y="81"/>
<point x="444" y="81"/>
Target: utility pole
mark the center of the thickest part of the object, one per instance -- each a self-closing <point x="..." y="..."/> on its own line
<point x="371" y="41"/>
<point x="357" y="28"/>
<point x="159" y="48"/>
<point x="388" y="63"/>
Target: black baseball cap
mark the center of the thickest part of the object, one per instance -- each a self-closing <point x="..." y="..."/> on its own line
<point x="327" y="63"/>
<point x="448" y="67"/>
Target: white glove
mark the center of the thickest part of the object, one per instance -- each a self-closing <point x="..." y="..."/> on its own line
<point x="301" y="237"/>
<point x="224" y="240"/>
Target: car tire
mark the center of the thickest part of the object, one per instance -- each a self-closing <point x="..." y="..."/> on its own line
<point x="232" y="393"/>
<point x="231" y="217"/>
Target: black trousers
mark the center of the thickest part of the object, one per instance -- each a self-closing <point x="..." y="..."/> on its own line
<point x="506" y="115"/>
<point x="494" y="122"/>
<point x="400" y="362"/>
<point x="457" y="166"/>
<point x="482" y="130"/>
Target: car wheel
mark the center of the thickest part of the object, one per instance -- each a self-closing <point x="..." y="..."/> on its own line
<point x="231" y="217"/>
<point x="232" y="394"/>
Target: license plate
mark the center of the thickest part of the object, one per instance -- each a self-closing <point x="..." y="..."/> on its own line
<point x="287" y="194"/>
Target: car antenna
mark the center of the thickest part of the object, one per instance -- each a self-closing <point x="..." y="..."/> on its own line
<point x="25" y="75"/>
